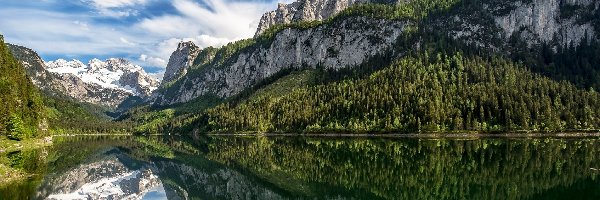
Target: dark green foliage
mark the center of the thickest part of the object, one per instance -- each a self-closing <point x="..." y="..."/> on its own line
<point x="582" y="14"/>
<point x="419" y="168"/>
<point x="23" y="54"/>
<point x="422" y="93"/>
<point x="21" y="112"/>
<point x="578" y="64"/>
<point x="158" y="120"/>
<point x="67" y="116"/>
<point x="205" y="56"/>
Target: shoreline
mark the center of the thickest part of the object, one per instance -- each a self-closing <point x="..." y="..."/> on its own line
<point x="423" y="135"/>
<point x="466" y="135"/>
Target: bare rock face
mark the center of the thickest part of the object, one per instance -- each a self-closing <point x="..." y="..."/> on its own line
<point x="542" y="20"/>
<point x="34" y="65"/>
<point x="180" y="60"/>
<point x="345" y="44"/>
<point x="352" y="41"/>
<point x="307" y="10"/>
<point x="73" y="86"/>
<point x="140" y="82"/>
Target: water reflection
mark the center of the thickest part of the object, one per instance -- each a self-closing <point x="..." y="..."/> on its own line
<point x="113" y="176"/>
<point x="308" y="168"/>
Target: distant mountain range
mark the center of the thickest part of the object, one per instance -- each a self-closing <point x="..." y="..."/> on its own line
<point x="114" y="73"/>
<point x="106" y="83"/>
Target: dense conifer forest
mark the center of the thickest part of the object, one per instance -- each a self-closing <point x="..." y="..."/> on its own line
<point x="21" y="113"/>
<point x="425" y="92"/>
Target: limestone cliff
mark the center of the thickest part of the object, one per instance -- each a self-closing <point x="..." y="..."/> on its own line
<point x="544" y="20"/>
<point x="308" y="10"/>
<point x="351" y="41"/>
<point x="180" y="60"/>
<point x="341" y="45"/>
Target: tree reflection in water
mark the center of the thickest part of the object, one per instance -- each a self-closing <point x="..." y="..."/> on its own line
<point x="228" y="167"/>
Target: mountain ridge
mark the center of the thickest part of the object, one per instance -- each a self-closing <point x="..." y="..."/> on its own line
<point x="68" y="78"/>
<point x="491" y="25"/>
<point x="115" y="73"/>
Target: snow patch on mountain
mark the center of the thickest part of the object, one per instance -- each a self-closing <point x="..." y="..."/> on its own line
<point x="114" y="73"/>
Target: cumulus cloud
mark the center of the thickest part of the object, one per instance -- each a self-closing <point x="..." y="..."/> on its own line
<point x="226" y="19"/>
<point x="147" y="39"/>
<point x="57" y="33"/>
<point x="152" y="61"/>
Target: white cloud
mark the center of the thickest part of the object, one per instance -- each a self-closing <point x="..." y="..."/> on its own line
<point x="231" y="20"/>
<point x="116" y="8"/>
<point x="204" y="41"/>
<point x="158" y="75"/>
<point x="158" y="54"/>
<point x="118" y="13"/>
<point x="148" y="41"/>
<point x="57" y="33"/>
<point x="116" y="3"/>
<point x="152" y="61"/>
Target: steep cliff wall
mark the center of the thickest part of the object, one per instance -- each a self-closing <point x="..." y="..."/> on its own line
<point x="309" y="10"/>
<point x="347" y="43"/>
<point x="351" y="41"/>
<point x="547" y="19"/>
<point x="180" y="60"/>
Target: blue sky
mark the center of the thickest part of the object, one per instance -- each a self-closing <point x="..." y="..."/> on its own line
<point x="142" y="31"/>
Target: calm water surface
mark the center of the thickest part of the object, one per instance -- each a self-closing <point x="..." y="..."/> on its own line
<point x="228" y="167"/>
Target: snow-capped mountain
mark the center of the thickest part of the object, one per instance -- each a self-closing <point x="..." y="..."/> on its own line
<point x="114" y="73"/>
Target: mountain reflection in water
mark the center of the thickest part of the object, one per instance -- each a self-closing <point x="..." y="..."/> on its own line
<point x="114" y="176"/>
<point x="228" y="167"/>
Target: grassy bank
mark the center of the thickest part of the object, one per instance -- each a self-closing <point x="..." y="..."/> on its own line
<point x="8" y="173"/>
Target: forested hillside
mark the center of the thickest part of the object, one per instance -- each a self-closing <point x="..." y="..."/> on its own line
<point x="424" y="92"/>
<point x="22" y="110"/>
<point x="453" y="68"/>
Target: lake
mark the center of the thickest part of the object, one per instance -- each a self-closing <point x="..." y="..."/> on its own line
<point x="260" y="167"/>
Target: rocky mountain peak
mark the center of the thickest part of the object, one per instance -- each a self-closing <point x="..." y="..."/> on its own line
<point x="180" y="60"/>
<point x="307" y="10"/>
<point x="113" y="65"/>
<point x="64" y="63"/>
<point x="189" y="44"/>
<point x="114" y="73"/>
